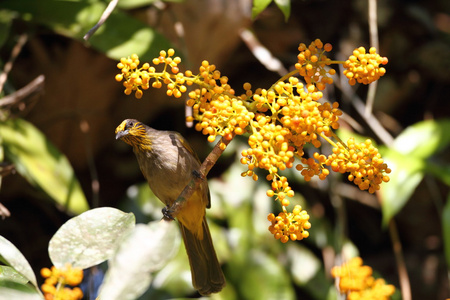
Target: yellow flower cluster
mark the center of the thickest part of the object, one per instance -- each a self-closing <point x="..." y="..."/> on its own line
<point x="56" y="281"/>
<point x="136" y="78"/>
<point x="279" y="121"/>
<point x="311" y="64"/>
<point x="357" y="282"/>
<point x="288" y="116"/>
<point x="366" y="167"/>
<point x="215" y="107"/>
<point x="364" y="67"/>
<point x="292" y="226"/>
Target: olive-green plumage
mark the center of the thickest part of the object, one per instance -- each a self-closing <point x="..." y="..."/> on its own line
<point x="167" y="163"/>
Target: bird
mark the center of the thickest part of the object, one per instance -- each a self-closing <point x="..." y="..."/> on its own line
<point x="168" y="163"/>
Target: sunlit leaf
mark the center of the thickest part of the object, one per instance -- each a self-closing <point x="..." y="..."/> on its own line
<point x="10" y="274"/>
<point x="259" y="6"/>
<point x="11" y="256"/>
<point x="423" y="139"/>
<point x="132" y="4"/>
<point x="90" y="238"/>
<point x="40" y="162"/>
<point x="146" y="249"/>
<point x="175" y="277"/>
<point x="285" y="7"/>
<point x="120" y="35"/>
<point x="304" y="264"/>
<point x="263" y="277"/>
<point x="407" y="173"/>
<point x="10" y="290"/>
<point x="408" y="160"/>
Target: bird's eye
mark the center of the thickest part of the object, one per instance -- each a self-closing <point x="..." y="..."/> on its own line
<point x="129" y="124"/>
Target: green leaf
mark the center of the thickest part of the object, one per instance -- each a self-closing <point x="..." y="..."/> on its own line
<point x="90" y="238"/>
<point x="306" y="270"/>
<point x="263" y="277"/>
<point x="446" y="230"/>
<point x="285" y="7"/>
<point x="407" y="173"/>
<point x="259" y="6"/>
<point x="15" y="290"/>
<point x="439" y="170"/>
<point x="146" y="249"/>
<point x="408" y="160"/>
<point x="66" y="17"/>
<point x="38" y="160"/>
<point x="132" y="4"/>
<point x="423" y="139"/>
<point x="10" y="255"/>
<point x="10" y="274"/>
<point x="121" y="34"/>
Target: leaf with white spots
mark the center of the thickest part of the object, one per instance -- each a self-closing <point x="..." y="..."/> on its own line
<point x="90" y="238"/>
<point x="146" y="249"/>
<point x="12" y="257"/>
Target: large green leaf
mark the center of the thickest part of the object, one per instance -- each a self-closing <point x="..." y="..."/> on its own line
<point x="11" y="256"/>
<point x="10" y="290"/>
<point x="120" y="35"/>
<point x="407" y="173"/>
<point x="262" y="277"/>
<point x="259" y="6"/>
<point x="132" y="4"/>
<point x="409" y="160"/>
<point x="90" y="238"/>
<point x="38" y="160"/>
<point x="285" y="7"/>
<point x="10" y="274"/>
<point x="423" y="139"/>
<point x="145" y="250"/>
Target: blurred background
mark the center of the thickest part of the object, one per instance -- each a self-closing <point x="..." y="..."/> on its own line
<point x="77" y="105"/>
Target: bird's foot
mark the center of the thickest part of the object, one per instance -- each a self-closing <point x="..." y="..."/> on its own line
<point x="197" y="174"/>
<point x="167" y="213"/>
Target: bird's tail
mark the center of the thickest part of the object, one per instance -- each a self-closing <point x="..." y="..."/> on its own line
<point x="207" y="276"/>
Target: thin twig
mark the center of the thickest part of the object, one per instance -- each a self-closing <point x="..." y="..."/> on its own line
<point x="32" y="87"/>
<point x="14" y="53"/>
<point x="109" y="9"/>
<point x="262" y="53"/>
<point x="193" y="185"/>
<point x="4" y="212"/>
<point x="405" y="285"/>
<point x="359" y="105"/>
<point x="373" y="30"/>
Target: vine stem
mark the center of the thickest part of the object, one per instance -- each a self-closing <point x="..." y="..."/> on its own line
<point x="405" y="285"/>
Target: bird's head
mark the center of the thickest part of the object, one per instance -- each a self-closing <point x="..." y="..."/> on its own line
<point x="134" y="133"/>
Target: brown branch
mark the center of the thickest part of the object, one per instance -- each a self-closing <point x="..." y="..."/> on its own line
<point x="374" y="43"/>
<point x="109" y="9"/>
<point x="14" y="53"/>
<point x="194" y="184"/>
<point x="32" y="87"/>
<point x="4" y="212"/>
<point x="405" y="285"/>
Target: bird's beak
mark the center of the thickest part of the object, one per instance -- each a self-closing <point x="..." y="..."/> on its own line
<point x="121" y="134"/>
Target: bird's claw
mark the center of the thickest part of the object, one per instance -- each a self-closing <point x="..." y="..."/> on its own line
<point x="197" y="174"/>
<point x="167" y="213"/>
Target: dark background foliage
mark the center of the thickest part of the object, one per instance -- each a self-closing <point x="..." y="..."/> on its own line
<point x="81" y="105"/>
